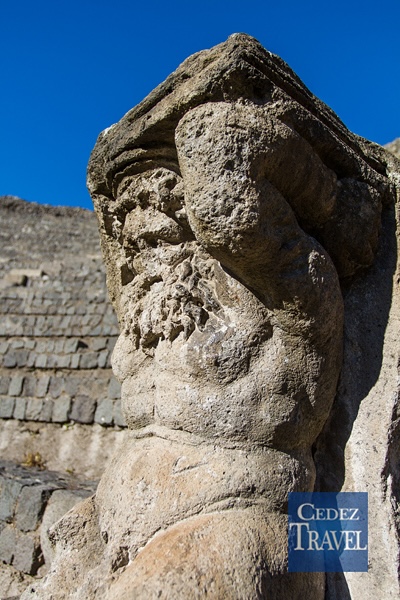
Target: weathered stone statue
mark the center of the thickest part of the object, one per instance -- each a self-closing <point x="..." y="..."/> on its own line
<point x="233" y="206"/>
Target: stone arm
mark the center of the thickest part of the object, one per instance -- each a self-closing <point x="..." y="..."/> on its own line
<point x="247" y="177"/>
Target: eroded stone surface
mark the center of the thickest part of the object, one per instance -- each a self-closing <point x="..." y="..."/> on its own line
<point x="394" y="147"/>
<point x="234" y="208"/>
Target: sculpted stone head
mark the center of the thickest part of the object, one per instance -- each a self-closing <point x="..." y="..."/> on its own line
<point x="230" y="202"/>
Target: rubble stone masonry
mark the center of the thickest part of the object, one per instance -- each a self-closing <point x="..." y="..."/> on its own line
<point x="57" y="329"/>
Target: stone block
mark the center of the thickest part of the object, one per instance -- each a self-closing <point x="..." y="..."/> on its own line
<point x="59" y="346"/>
<point x="114" y="388"/>
<point x="65" y="323"/>
<point x="63" y="361"/>
<point x="8" y="543"/>
<point x="15" y="344"/>
<point x="29" y="387"/>
<point x="9" y="492"/>
<point x="104" y="412"/>
<point x="71" y="386"/>
<point x="16" y="384"/>
<point x="41" y="327"/>
<point x="47" y="410"/>
<point x="33" y="409"/>
<point x="117" y="414"/>
<point x="10" y="360"/>
<point x="61" y="409"/>
<point x="88" y="360"/>
<point x="22" y="357"/>
<point x="96" y="330"/>
<point x="4" y="332"/>
<point x="4" y="384"/>
<point x="20" y="409"/>
<point x="70" y="345"/>
<point x="6" y="407"/>
<point x="31" y="504"/>
<point x="41" y="346"/>
<point x="28" y="556"/>
<point x="83" y="409"/>
<point x="102" y="360"/>
<point x="51" y="361"/>
<point x="56" y="386"/>
<point x="4" y="347"/>
<point x="31" y="359"/>
<point x="41" y="361"/>
<point x="98" y="344"/>
<point x="75" y="361"/>
<point x="42" y="386"/>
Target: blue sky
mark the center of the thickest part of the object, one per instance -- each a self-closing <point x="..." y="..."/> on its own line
<point x="71" y="68"/>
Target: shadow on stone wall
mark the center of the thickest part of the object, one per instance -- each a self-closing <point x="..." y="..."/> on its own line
<point x="367" y="307"/>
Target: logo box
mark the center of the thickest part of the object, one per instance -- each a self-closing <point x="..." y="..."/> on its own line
<point x="328" y="532"/>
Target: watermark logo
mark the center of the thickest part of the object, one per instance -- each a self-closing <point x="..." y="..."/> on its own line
<point x="328" y="532"/>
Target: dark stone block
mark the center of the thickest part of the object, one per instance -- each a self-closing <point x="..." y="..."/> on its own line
<point x="114" y="388"/>
<point x="47" y="410"/>
<point x="16" y="384"/>
<point x="22" y="357"/>
<point x="28" y="556"/>
<point x="89" y="360"/>
<point x="104" y="412"/>
<point x="42" y="386"/>
<point x="31" y="504"/>
<point x="4" y="383"/>
<point x="6" y="407"/>
<point x="102" y="360"/>
<point x="8" y="543"/>
<point x="117" y="414"/>
<point x="29" y="388"/>
<point x="56" y="386"/>
<point x="61" y="409"/>
<point x="33" y="409"/>
<point x="10" y="360"/>
<point x="9" y="492"/>
<point x="20" y="409"/>
<point x="83" y="409"/>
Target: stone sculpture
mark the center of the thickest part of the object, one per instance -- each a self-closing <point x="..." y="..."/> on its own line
<point x="233" y="206"/>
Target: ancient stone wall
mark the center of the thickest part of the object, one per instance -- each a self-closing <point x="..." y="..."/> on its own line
<point x="59" y="402"/>
<point x="57" y="330"/>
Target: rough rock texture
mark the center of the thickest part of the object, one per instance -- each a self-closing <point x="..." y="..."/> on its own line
<point x="394" y="147"/>
<point x="240" y="226"/>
